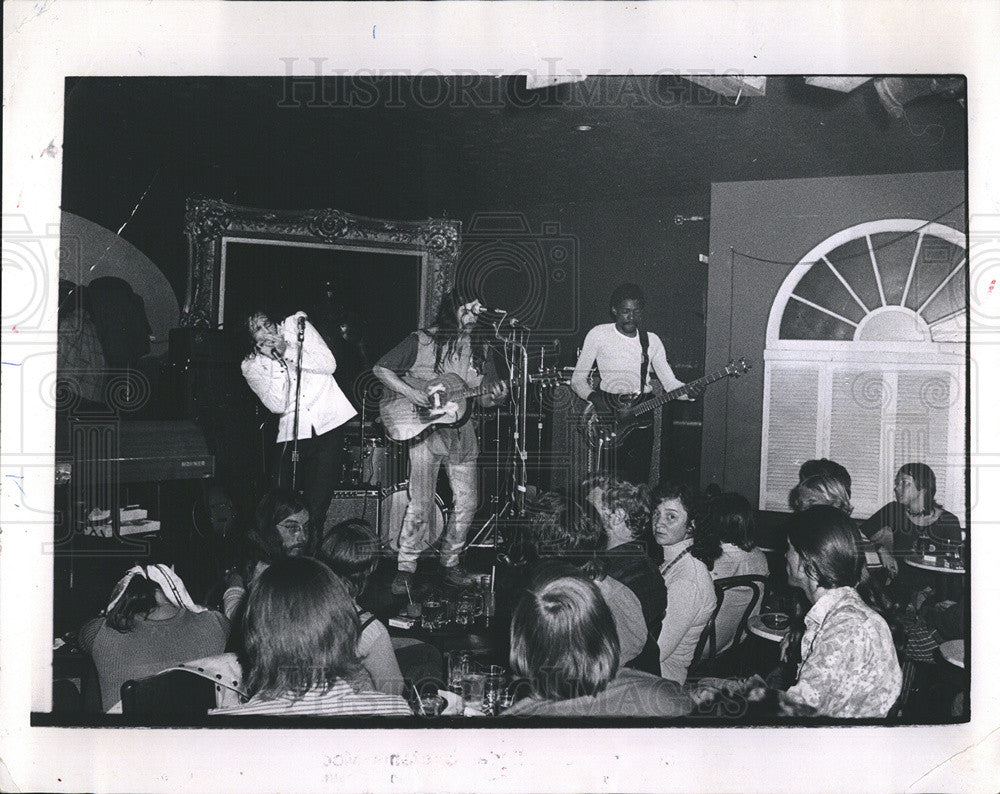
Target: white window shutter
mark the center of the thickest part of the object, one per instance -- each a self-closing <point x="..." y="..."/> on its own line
<point x="858" y="401"/>
<point x="790" y="431"/>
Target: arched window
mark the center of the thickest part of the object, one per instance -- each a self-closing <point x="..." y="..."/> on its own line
<point x="865" y="362"/>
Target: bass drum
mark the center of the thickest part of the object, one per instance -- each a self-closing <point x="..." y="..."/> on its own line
<point x="394" y="505"/>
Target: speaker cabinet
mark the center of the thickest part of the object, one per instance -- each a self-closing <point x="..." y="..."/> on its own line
<point x="345" y="505"/>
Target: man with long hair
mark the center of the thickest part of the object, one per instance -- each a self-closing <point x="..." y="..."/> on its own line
<point x="447" y="347"/>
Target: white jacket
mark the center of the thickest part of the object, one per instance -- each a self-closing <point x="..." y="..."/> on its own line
<point x="322" y="405"/>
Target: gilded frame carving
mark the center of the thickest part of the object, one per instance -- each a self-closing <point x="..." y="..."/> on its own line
<point x="208" y="223"/>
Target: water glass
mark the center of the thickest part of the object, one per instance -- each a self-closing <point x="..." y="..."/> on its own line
<point x="473" y="689"/>
<point x="459" y="663"/>
<point x="493" y="690"/>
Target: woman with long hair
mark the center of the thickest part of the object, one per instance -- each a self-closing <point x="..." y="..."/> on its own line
<point x="301" y="632"/>
<point x="150" y="624"/>
<point x="351" y="550"/>
<point x="563" y="641"/>
<point x="724" y="541"/>
<point x="690" y="592"/>
<point x="849" y="666"/>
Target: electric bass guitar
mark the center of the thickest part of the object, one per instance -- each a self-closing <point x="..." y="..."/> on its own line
<point x="451" y="401"/>
<point x="605" y="431"/>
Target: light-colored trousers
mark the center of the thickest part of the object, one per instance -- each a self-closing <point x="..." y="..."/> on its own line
<point x="456" y="449"/>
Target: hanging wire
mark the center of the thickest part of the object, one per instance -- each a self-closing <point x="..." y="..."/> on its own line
<point x="901" y="236"/>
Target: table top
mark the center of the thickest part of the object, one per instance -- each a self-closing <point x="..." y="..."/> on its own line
<point x="923" y="564"/>
<point x="756" y="626"/>
<point x="953" y="652"/>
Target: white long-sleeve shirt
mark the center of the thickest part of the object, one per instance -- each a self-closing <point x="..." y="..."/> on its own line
<point x="322" y="405"/>
<point x="619" y="359"/>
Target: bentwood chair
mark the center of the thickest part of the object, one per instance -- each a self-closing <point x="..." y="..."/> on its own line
<point x="753" y="582"/>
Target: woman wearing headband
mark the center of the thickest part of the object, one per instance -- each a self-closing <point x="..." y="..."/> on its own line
<point x="150" y="624"/>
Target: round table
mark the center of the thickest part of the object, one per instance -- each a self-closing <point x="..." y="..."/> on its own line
<point x="919" y="562"/>
<point x="756" y="627"/>
<point x="953" y="652"/>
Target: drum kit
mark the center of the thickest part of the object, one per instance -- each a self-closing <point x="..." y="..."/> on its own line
<point x="375" y="467"/>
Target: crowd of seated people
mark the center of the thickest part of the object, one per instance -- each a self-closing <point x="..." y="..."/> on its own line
<point x="604" y="627"/>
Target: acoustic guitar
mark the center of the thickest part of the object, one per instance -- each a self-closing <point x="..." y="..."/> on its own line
<point x="451" y="405"/>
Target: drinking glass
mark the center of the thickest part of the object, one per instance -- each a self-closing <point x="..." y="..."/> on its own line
<point x="459" y="663"/>
<point x="473" y="689"/>
<point x="493" y="689"/>
<point x="435" y="614"/>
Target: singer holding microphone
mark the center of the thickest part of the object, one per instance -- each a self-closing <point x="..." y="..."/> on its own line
<point x="280" y="351"/>
<point x="450" y="345"/>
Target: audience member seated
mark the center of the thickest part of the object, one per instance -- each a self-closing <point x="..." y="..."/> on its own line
<point x="828" y="467"/>
<point x="301" y="632"/>
<point x="820" y="489"/>
<point x="912" y="521"/>
<point x="849" y="666"/>
<point x="563" y="641"/>
<point x="690" y="592"/>
<point x="281" y="529"/>
<point x="562" y="531"/>
<point x="624" y="511"/>
<point x="351" y="550"/>
<point x="724" y="541"/>
<point x="150" y="624"/>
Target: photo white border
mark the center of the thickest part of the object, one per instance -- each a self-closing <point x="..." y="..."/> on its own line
<point x="48" y="40"/>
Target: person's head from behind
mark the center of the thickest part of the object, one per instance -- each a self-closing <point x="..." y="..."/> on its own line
<point x="823" y="550"/>
<point x="675" y="507"/>
<point x="915" y="487"/>
<point x="282" y="526"/>
<point x="622" y="507"/>
<point x="829" y="467"/>
<point x="628" y="302"/>
<point x="140" y="597"/>
<point x="731" y="518"/>
<point x="301" y="629"/>
<point x="561" y="529"/>
<point x="820" y="489"/>
<point x="351" y="550"/>
<point x="563" y="638"/>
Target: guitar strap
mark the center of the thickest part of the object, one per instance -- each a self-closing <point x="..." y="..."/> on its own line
<point x="644" y="367"/>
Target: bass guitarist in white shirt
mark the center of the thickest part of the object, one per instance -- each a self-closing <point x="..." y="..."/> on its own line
<point x="624" y="359"/>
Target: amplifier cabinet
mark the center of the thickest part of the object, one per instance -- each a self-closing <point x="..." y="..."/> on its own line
<point x="360" y="504"/>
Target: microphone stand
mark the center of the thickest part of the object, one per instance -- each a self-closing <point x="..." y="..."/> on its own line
<point x="298" y="398"/>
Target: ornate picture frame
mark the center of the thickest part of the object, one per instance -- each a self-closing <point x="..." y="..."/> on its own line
<point x="209" y="223"/>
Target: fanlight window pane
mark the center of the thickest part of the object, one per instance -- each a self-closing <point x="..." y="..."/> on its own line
<point x="949" y="300"/>
<point x="937" y="258"/>
<point x="854" y="263"/>
<point x="894" y="253"/>
<point x="820" y="286"/>
<point x="800" y="321"/>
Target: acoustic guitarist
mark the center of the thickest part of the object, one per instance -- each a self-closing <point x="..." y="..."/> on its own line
<point x="446" y="347"/>
<point x="624" y="352"/>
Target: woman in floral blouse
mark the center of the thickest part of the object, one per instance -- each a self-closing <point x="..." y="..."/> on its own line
<point x="849" y="666"/>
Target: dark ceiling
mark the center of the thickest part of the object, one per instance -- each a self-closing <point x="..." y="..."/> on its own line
<point x="401" y="148"/>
